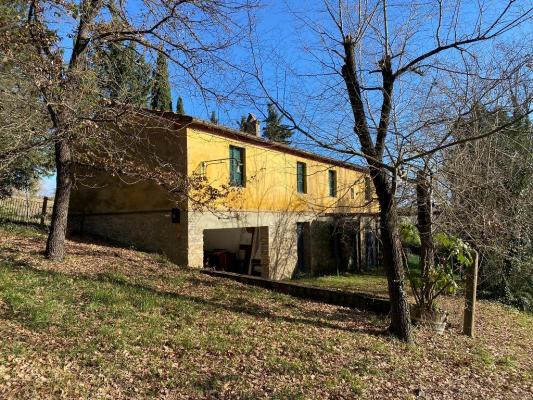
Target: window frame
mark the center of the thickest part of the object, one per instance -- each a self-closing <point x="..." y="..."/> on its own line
<point x="232" y="161"/>
<point x="332" y="183"/>
<point x="303" y="176"/>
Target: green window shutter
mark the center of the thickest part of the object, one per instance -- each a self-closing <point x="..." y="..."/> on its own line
<point x="332" y="175"/>
<point x="301" y="177"/>
<point x="236" y="165"/>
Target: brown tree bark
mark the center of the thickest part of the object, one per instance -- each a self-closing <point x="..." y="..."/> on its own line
<point x="424" y="222"/>
<point x="424" y="219"/>
<point x="55" y="245"/>
<point x="393" y="260"/>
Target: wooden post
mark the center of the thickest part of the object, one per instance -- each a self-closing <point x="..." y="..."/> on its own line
<point x="44" y="210"/>
<point x="470" y="298"/>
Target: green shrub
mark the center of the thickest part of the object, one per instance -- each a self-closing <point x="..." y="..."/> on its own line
<point x="409" y="235"/>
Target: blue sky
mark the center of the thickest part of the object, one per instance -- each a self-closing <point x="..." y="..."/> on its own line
<point x="280" y="37"/>
<point x="47" y="186"/>
<point x="273" y="25"/>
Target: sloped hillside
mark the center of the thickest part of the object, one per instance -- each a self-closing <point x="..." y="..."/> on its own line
<point x="120" y="324"/>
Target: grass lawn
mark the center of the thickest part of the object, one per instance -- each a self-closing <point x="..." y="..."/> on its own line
<point x="111" y="323"/>
<point x="371" y="282"/>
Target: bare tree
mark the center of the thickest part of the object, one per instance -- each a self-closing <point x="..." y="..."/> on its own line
<point x="489" y="203"/>
<point x="62" y="36"/>
<point x="386" y="75"/>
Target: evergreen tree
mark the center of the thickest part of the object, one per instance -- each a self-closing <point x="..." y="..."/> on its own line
<point x="24" y="154"/>
<point x="161" y="98"/>
<point x="179" y="107"/>
<point x="274" y="130"/>
<point x="213" y="118"/>
<point x="122" y="73"/>
<point x="242" y="123"/>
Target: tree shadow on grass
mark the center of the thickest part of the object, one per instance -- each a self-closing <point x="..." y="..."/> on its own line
<point x="236" y="304"/>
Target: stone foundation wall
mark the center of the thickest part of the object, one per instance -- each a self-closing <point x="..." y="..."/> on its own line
<point x="148" y="231"/>
<point x="345" y="245"/>
<point x="183" y="242"/>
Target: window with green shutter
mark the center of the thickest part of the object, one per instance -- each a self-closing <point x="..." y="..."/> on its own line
<point x="332" y="175"/>
<point x="301" y="177"/>
<point x="236" y="166"/>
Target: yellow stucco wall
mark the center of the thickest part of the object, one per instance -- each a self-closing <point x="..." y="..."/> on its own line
<point x="99" y="191"/>
<point x="271" y="180"/>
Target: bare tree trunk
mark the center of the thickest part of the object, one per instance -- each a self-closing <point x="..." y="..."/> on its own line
<point x="392" y="249"/>
<point x="424" y="222"/>
<point x="393" y="261"/>
<point x="55" y="246"/>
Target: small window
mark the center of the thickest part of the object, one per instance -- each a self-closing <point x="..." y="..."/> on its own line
<point x="301" y="177"/>
<point x="332" y="175"/>
<point x="352" y="193"/>
<point x="236" y="166"/>
<point x="368" y="189"/>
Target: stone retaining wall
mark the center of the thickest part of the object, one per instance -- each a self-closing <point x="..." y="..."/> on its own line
<point x="329" y="296"/>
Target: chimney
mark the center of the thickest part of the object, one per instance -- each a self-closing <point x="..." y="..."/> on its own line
<point x="252" y="125"/>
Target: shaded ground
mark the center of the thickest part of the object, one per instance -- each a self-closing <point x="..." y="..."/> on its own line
<point x="115" y="323"/>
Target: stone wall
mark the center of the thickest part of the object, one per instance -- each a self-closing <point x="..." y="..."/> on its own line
<point x="337" y="297"/>
<point x="149" y="231"/>
<point x="278" y="240"/>
<point x="183" y="243"/>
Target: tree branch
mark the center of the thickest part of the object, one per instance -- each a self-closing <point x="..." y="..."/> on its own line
<point x="466" y="140"/>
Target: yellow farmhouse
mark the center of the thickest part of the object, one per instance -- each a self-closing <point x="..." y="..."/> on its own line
<point x="281" y="211"/>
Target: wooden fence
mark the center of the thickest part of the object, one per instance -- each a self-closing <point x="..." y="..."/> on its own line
<point x="27" y="210"/>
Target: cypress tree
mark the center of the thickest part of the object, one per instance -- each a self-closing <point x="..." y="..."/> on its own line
<point x="122" y="73"/>
<point x="179" y="107"/>
<point x="213" y="118"/>
<point x="160" y="97"/>
<point x="242" y="123"/>
<point x="274" y="130"/>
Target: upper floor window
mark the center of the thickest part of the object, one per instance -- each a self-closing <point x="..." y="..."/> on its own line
<point x="332" y="181"/>
<point x="368" y="188"/>
<point x="301" y="177"/>
<point x="236" y="166"/>
<point x="352" y="193"/>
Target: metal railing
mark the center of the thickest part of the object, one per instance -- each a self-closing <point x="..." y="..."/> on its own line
<point x="27" y="210"/>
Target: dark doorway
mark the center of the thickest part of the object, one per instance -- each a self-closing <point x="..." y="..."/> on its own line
<point x="234" y="250"/>
<point x="302" y="228"/>
<point x="356" y="251"/>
